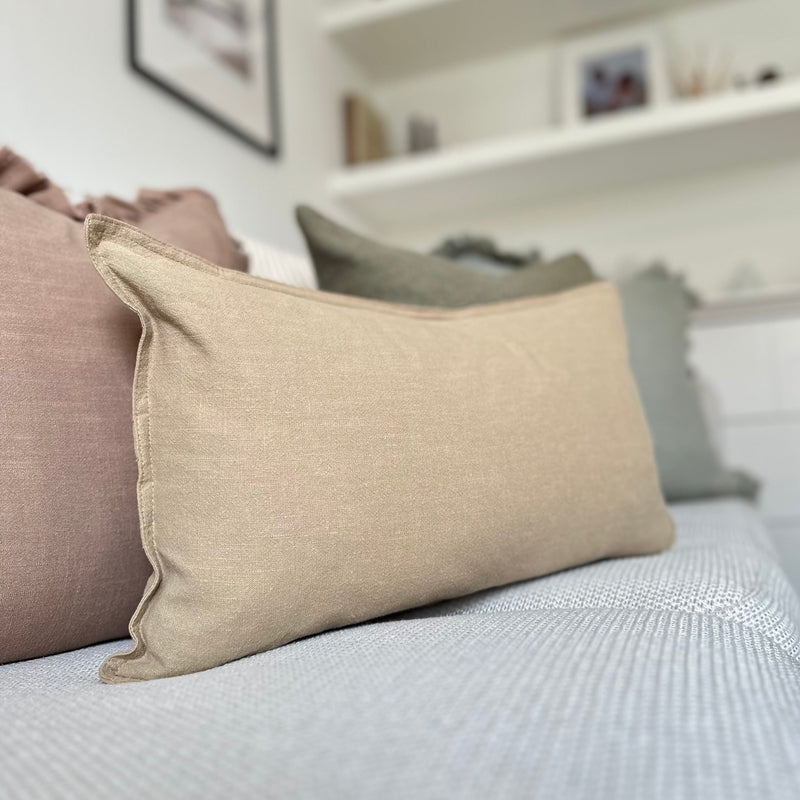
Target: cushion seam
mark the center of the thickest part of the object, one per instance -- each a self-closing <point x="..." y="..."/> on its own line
<point x="147" y="533"/>
<point x="429" y="313"/>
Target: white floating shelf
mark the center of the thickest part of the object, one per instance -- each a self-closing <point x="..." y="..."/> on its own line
<point x="773" y="302"/>
<point x="396" y="38"/>
<point x="490" y="177"/>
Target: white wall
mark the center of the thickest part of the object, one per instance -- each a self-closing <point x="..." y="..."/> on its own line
<point x="711" y="226"/>
<point x="472" y="101"/>
<point x="71" y="105"/>
<point x="519" y="91"/>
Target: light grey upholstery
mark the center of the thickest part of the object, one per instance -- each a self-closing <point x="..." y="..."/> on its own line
<point x="672" y="676"/>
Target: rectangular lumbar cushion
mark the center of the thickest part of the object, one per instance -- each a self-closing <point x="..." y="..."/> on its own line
<point x="308" y="460"/>
<point x="655" y="307"/>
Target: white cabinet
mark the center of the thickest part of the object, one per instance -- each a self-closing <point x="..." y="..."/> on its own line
<point x="770" y="450"/>
<point x="739" y="362"/>
<point x="787" y="336"/>
<point x="750" y="356"/>
<point x="786" y="535"/>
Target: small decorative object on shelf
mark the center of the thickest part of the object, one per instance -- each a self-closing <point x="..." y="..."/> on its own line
<point x="768" y="75"/>
<point x="365" y="132"/>
<point x="745" y="278"/>
<point x="216" y="56"/>
<point x="765" y="76"/>
<point x="620" y="70"/>
<point x="701" y="72"/>
<point x="422" y="134"/>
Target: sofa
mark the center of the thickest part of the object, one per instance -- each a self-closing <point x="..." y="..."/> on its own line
<point x="667" y="673"/>
<point x="668" y="676"/>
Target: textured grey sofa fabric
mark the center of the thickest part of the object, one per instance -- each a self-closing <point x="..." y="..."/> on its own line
<point x="663" y="677"/>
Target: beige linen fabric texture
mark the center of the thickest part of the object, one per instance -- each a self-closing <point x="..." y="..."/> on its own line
<point x="309" y="460"/>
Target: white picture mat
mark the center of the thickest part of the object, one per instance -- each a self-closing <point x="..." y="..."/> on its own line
<point x="574" y="53"/>
<point x="171" y="56"/>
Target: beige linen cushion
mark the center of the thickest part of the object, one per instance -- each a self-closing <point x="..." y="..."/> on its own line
<point x="309" y="460"/>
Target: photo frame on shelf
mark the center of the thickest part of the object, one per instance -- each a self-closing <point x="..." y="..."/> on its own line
<point x="216" y="56"/>
<point x="614" y="72"/>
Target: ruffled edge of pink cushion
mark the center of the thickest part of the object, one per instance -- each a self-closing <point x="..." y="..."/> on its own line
<point x="18" y="175"/>
<point x="147" y="201"/>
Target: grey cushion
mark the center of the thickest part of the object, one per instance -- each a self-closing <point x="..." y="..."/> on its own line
<point x="656" y="307"/>
<point x="672" y="676"/>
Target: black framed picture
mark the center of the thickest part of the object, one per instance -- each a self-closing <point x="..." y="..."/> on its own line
<point x="216" y="56"/>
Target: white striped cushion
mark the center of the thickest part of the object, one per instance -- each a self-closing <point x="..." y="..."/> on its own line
<point x="278" y="265"/>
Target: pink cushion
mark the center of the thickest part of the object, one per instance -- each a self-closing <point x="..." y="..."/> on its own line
<point x="72" y="568"/>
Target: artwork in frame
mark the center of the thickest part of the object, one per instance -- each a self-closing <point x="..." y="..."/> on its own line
<point x="612" y="72"/>
<point x="216" y="56"/>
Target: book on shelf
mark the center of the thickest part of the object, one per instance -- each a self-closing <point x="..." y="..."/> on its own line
<point x="365" y="132"/>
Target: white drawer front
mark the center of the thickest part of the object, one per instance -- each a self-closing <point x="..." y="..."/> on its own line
<point x="787" y="347"/>
<point x="786" y="536"/>
<point x="739" y="362"/>
<point x="772" y="452"/>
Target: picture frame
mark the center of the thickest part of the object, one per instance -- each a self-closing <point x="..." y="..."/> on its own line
<point x="217" y="57"/>
<point x="615" y="72"/>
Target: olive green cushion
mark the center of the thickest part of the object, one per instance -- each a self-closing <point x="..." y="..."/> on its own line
<point x="348" y="263"/>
